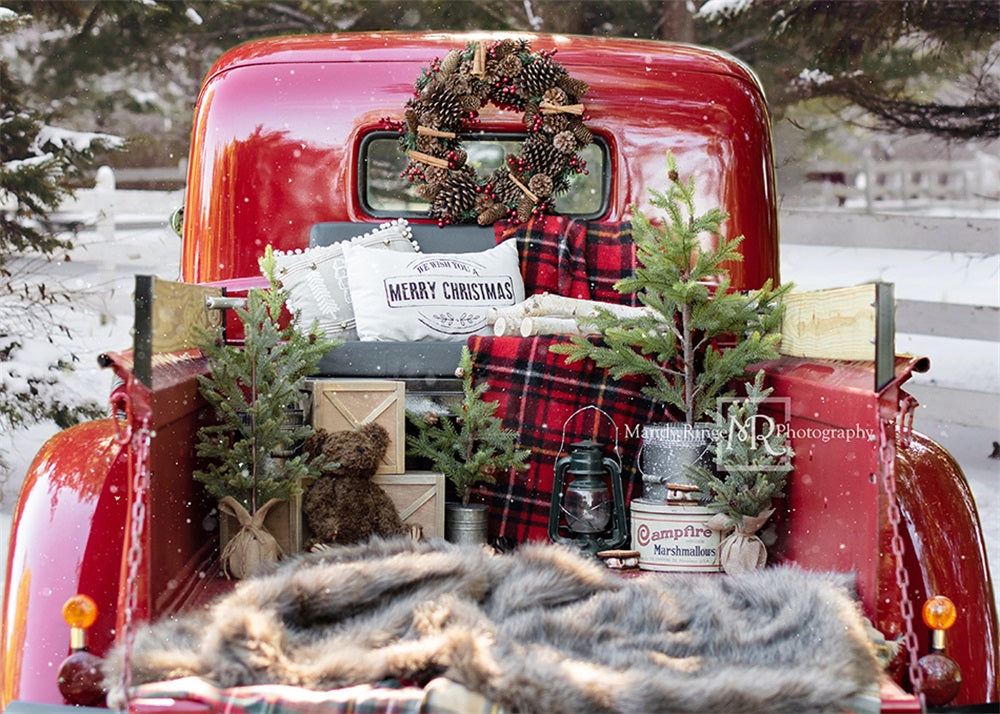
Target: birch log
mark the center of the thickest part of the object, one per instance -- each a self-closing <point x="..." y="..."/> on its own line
<point x="531" y="326"/>
<point x="548" y="305"/>
<point x="506" y="326"/>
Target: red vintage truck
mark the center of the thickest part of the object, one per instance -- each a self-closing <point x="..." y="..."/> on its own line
<point x="295" y="143"/>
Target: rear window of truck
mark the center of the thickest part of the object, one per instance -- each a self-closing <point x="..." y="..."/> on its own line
<point x="385" y="194"/>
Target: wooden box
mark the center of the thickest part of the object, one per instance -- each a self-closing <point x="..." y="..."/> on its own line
<point x="349" y="403"/>
<point x="419" y="498"/>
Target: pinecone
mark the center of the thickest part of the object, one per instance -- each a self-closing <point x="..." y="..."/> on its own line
<point x="509" y="66"/>
<point x="458" y="84"/>
<point x="436" y="174"/>
<point x="565" y="141"/>
<point x="554" y="123"/>
<point x="428" y="191"/>
<point x="431" y="418"/>
<point x="538" y="76"/>
<point x="554" y="95"/>
<point x="457" y="195"/>
<point x="470" y="102"/>
<point x="428" y="117"/>
<point x="531" y="112"/>
<point x="493" y="213"/>
<point x="427" y="144"/>
<point x="449" y="64"/>
<point x="483" y="202"/>
<point x="457" y="158"/>
<point x="540" y="185"/>
<point x="505" y="190"/>
<point x="411" y="118"/>
<point x="540" y="155"/>
<point x="525" y="207"/>
<point x="442" y="102"/>
<point x="556" y="166"/>
<point x="581" y="132"/>
<point x="508" y="47"/>
<point x="572" y="86"/>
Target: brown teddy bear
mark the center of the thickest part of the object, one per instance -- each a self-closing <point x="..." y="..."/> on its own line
<point x="343" y="505"/>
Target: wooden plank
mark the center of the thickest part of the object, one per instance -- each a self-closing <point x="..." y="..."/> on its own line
<point x="168" y="316"/>
<point x="830" y="324"/>
<point x="969" y="322"/>
<point x="179" y="313"/>
<point x="850" y="229"/>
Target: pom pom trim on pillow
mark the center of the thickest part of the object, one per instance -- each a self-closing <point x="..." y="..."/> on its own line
<point x="316" y="278"/>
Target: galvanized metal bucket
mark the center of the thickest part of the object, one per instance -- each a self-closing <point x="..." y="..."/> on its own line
<point x="465" y="525"/>
<point x="667" y="450"/>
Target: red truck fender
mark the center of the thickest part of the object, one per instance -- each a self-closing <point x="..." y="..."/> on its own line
<point x="932" y="492"/>
<point x="67" y="538"/>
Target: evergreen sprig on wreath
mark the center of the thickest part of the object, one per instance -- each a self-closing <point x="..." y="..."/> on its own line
<point x="449" y="95"/>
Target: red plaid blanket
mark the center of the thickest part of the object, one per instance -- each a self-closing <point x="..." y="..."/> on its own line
<point x="573" y="258"/>
<point x="540" y="395"/>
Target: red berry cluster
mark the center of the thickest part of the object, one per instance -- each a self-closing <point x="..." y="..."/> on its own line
<point x="578" y="164"/>
<point x="413" y="172"/>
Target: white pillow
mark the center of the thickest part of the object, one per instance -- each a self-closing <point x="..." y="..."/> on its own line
<point x="316" y="278"/>
<point x="430" y="296"/>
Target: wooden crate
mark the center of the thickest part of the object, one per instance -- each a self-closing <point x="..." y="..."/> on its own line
<point x="419" y="498"/>
<point x="349" y="403"/>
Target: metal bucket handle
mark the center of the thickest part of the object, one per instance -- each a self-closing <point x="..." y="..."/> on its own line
<point x="562" y="441"/>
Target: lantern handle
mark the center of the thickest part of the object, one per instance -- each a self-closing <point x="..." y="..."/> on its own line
<point x="562" y="441"/>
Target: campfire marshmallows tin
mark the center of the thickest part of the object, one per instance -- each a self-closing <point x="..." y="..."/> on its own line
<point x="673" y="537"/>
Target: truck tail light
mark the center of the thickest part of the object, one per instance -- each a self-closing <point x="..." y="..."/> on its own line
<point x="80" y="679"/>
<point x="942" y="675"/>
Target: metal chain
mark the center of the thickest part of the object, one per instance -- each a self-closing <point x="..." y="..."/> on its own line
<point x="138" y="466"/>
<point x="887" y="455"/>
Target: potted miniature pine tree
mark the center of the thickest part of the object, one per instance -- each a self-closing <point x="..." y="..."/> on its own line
<point x="752" y="462"/>
<point x="469" y="445"/>
<point x="255" y="389"/>
<point x="697" y="335"/>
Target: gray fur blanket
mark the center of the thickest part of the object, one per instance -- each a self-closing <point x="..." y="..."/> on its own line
<point x="538" y="630"/>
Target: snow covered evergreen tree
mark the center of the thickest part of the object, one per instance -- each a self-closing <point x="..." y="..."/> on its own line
<point x="37" y="163"/>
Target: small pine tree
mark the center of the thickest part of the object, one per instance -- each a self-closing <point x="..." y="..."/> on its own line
<point x="683" y="345"/>
<point x="752" y="459"/>
<point x="251" y="387"/>
<point x="470" y="444"/>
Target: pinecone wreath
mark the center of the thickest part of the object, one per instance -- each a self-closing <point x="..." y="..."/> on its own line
<point x="448" y="96"/>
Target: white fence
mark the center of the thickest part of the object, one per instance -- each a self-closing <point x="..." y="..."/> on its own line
<point x="946" y="273"/>
<point x="880" y="185"/>
<point x="105" y="206"/>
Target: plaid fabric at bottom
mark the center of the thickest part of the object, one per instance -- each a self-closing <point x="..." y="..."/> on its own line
<point x="441" y="696"/>
<point x="539" y="396"/>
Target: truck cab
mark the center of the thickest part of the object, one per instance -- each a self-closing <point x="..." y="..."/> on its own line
<point x="296" y="143"/>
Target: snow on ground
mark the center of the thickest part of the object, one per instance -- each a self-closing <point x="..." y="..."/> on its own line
<point x="100" y="275"/>
<point x="102" y="270"/>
